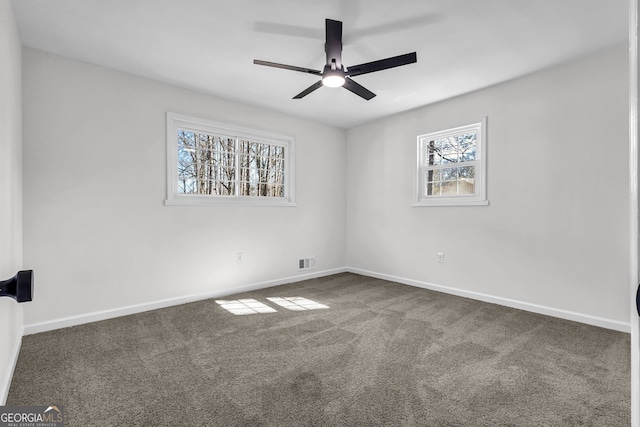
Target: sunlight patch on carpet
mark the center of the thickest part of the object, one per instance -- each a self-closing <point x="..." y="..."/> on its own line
<point x="297" y="303"/>
<point x="241" y="307"/>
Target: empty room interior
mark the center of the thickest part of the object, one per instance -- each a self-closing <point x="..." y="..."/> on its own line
<point x="257" y="213"/>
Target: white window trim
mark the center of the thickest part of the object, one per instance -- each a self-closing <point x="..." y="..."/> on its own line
<point x="478" y="199"/>
<point x="178" y="121"/>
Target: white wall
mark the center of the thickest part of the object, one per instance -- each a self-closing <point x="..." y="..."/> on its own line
<point x="556" y="231"/>
<point x="10" y="191"/>
<point x="554" y="234"/>
<point x="96" y="231"/>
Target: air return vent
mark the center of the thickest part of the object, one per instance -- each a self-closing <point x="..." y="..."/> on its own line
<point x="307" y="263"/>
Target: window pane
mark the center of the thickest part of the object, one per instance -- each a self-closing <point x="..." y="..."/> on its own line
<point x="466" y="186"/>
<point x="452" y="149"/>
<point x="449" y="157"/>
<point x="469" y="155"/>
<point x="433" y="150"/>
<point x="449" y="174"/>
<point x="433" y="175"/>
<point x="434" y="158"/>
<point x="466" y="180"/>
<point x="467" y="146"/>
<point x="467" y="172"/>
<point x="215" y="188"/>
<point x="186" y="140"/>
<point x="277" y="190"/>
<point x="450" y="181"/>
<point x="187" y="186"/>
<point x="433" y="189"/>
<point x="186" y="154"/>
<point x="449" y="188"/>
<point x="262" y="169"/>
<point x="186" y="169"/>
<point x="206" y="164"/>
<point x="449" y="144"/>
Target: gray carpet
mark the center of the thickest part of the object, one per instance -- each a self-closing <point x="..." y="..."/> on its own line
<point x="382" y="354"/>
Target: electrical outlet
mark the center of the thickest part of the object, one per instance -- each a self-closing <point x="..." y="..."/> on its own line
<point x="441" y="257"/>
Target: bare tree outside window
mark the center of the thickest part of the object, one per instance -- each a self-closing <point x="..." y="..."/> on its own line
<point x="218" y="165"/>
<point x="261" y="169"/>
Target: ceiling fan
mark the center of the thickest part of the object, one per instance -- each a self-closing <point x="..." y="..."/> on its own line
<point x="335" y="74"/>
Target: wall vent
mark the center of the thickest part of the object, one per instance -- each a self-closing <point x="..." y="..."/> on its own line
<point x="307" y="263"/>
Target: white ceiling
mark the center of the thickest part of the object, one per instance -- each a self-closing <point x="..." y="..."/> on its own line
<point x="210" y="45"/>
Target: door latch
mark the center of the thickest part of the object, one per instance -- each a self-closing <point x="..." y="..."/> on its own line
<point x="19" y="287"/>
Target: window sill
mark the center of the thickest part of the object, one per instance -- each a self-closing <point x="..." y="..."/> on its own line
<point x="449" y="202"/>
<point x="226" y="201"/>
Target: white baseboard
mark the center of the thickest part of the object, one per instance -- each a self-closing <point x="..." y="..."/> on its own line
<point x="65" y="322"/>
<point x="11" y="367"/>
<point x="535" y="308"/>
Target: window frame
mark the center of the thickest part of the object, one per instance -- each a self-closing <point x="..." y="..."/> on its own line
<point x="479" y="198"/>
<point x="177" y="122"/>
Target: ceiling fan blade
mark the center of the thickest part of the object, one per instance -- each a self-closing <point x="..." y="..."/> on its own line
<point x="382" y="64"/>
<point x="333" y="44"/>
<point x="287" y="67"/>
<point x="359" y="90"/>
<point x="308" y="90"/>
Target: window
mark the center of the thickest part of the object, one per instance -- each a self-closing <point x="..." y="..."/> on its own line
<point x="212" y="163"/>
<point x="451" y="167"/>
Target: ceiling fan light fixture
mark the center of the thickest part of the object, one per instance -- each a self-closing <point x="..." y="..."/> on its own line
<point x="331" y="76"/>
<point x="333" y="80"/>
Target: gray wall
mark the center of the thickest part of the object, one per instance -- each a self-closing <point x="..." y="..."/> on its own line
<point x="555" y="235"/>
<point x="10" y="190"/>
<point x="96" y="229"/>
